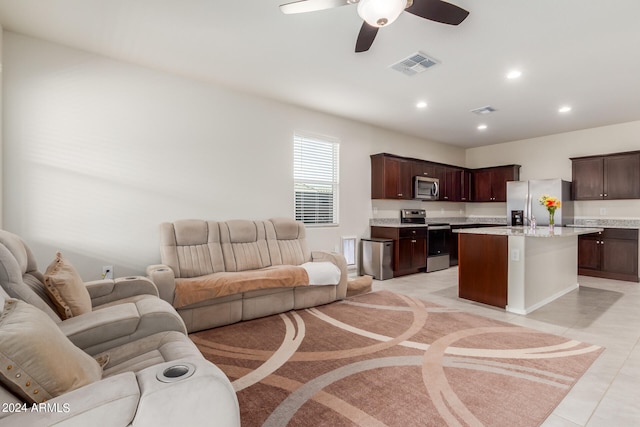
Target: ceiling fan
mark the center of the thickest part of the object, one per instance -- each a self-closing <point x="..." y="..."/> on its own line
<point x="380" y="13"/>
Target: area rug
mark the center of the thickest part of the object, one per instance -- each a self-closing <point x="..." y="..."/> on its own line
<point x="384" y="359"/>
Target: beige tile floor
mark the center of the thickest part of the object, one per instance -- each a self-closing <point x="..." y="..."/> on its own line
<point x="602" y="312"/>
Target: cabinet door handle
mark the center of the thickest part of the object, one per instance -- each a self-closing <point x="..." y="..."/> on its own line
<point x="600" y="194"/>
<point x="413" y="241"/>
<point x="399" y="194"/>
<point x="605" y="194"/>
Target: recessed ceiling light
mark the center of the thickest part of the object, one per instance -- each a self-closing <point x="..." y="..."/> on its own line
<point x="514" y="74"/>
<point x="564" y="109"/>
<point x="421" y="104"/>
<point x="482" y="127"/>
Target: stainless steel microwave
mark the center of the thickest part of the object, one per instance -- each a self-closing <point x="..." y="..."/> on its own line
<point x="426" y="188"/>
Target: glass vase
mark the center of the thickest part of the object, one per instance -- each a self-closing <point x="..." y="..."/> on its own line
<point x="551" y="221"/>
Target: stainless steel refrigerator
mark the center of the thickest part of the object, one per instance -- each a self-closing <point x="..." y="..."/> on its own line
<point x="523" y="201"/>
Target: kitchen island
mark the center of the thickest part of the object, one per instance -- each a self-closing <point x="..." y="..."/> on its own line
<point x="518" y="268"/>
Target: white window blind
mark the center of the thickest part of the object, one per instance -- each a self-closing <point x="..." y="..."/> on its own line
<point x="315" y="177"/>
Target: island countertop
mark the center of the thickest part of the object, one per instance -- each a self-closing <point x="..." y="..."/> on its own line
<point x="542" y="231"/>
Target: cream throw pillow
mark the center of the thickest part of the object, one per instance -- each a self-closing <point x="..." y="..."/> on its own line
<point x="66" y="288"/>
<point x="37" y="361"/>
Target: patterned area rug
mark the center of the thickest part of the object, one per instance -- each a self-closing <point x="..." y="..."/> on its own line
<point x="384" y="359"/>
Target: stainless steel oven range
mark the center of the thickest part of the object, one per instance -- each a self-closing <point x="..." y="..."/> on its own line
<point x="438" y="236"/>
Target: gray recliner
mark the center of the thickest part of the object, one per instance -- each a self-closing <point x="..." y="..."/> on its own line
<point x="161" y="380"/>
<point x="123" y="310"/>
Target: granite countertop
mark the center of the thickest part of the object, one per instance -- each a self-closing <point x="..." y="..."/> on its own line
<point x="395" y="222"/>
<point x="529" y="232"/>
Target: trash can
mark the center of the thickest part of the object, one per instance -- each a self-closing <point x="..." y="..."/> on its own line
<point x="376" y="258"/>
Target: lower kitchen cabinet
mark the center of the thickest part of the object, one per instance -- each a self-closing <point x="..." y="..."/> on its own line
<point x="409" y="248"/>
<point x="611" y="254"/>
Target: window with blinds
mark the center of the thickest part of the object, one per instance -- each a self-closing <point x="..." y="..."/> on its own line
<point x="315" y="177"/>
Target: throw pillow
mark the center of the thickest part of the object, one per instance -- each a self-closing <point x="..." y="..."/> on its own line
<point x="37" y="361"/>
<point x="66" y="289"/>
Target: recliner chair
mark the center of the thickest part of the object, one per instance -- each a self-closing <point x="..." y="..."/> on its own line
<point x="123" y="310"/>
<point x="161" y="380"/>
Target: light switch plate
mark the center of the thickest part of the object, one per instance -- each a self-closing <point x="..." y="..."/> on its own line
<point x="515" y="255"/>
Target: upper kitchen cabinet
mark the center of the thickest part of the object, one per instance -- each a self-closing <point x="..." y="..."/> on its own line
<point x="391" y="177"/>
<point x="423" y="168"/>
<point x="490" y="184"/>
<point x="465" y="186"/>
<point x="454" y="184"/>
<point x="608" y="177"/>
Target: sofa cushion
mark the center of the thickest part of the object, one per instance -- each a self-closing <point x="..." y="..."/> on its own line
<point x="287" y="242"/>
<point x="37" y="362"/>
<point x="191" y="247"/>
<point x="66" y="288"/>
<point x="244" y="245"/>
<point x="193" y="290"/>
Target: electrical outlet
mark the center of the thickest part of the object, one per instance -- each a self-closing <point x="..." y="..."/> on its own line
<point x="603" y="211"/>
<point x="107" y="271"/>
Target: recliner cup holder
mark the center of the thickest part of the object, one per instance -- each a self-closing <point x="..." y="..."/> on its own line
<point x="176" y="372"/>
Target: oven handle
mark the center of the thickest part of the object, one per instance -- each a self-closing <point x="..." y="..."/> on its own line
<point x="438" y="227"/>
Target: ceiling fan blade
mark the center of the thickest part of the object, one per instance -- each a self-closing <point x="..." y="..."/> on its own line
<point x="366" y="36"/>
<point x="303" y="6"/>
<point x="439" y="11"/>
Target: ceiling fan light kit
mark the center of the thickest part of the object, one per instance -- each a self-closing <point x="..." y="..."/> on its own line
<point x="379" y="13"/>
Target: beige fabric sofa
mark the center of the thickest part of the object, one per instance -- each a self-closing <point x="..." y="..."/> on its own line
<point x="217" y="273"/>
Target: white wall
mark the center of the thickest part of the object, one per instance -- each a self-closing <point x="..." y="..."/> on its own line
<point x="99" y="152"/>
<point x="1" y="168"/>
<point x="548" y="157"/>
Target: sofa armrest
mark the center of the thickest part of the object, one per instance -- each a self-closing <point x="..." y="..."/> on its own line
<point x="164" y="279"/>
<point x="119" y="324"/>
<point x="106" y="290"/>
<point x="112" y="401"/>
<point x="340" y="262"/>
<point x="204" y="398"/>
<point x="100" y="326"/>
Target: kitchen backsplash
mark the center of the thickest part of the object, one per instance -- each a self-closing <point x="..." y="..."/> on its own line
<point x="608" y="222"/>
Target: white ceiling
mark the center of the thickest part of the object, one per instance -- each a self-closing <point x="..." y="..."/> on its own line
<point x="585" y="53"/>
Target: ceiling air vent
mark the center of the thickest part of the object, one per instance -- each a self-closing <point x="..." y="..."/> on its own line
<point x="483" y="110"/>
<point x="414" y="64"/>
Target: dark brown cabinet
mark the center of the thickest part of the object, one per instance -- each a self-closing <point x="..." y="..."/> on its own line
<point x="612" y="254"/>
<point x="490" y="184"/>
<point x="409" y="247"/>
<point x="450" y="184"/>
<point x="610" y="177"/>
<point x="483" y="274"/>
<point x="391" y="177"/>
<point x="422" y="168"/>
<point x="465" y="187"/>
